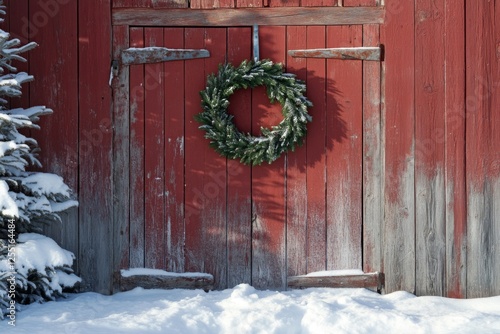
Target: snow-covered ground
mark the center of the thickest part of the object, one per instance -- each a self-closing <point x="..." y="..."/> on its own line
<point x="247" y="310"/>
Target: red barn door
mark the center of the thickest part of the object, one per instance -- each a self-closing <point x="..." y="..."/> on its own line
<point x="181" y="207"/>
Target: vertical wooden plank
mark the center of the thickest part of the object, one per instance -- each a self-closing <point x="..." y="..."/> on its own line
<point x="456" y="203"/>
<point x="268" y="182"/>
<point x="239" y="200"/>
<point x="215" y="178"/>
<point x="56" y="85"/>
<point x="398" y="111"/>
<point x="206" y="183"/>
<point x="195" y="146"/>
<point x="136" y="156"/>
<point x="195" y="200"/>
<point x="95" y="195"/>
<point x="173" y="77"/>
<point x="429" y="147"/>
<point x="372" y="164"/>
<point x="121" y="158"/>
<point x="372" y="161"/>
<point x="316" y="155"/>
<point x="483" y="154"/>
<point x="344" y="153"/>
<point x="154" y="150"/>
<point x="281" y="3"/>
<point x="296" y="176"/>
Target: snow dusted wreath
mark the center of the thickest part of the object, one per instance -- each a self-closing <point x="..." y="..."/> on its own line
<point x="285" y="88"/>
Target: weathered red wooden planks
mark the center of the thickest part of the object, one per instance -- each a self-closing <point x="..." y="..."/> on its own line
<point x="344" y="153"/>
<point x="136" y="158"/>
<point x="398" y="100"/>
<point x="316" y="243"/>
<point x="296" y="177"/>
<point x="154" y="163"/>
<point x="174" y="88"/>
<point x="32" y="22"/>
<point x="483" y="155"/>
<point x="196" y="201"/>
<point x="95" y="192"/>
<point x="215" y="178"/>
<point x="456" y="203"/>
<point x="372" y="157"/>
<point x="239" y="200"/>
<point x="121" y="157"/>
<point x="268" y="183"/>
<point x="429" y="148"/>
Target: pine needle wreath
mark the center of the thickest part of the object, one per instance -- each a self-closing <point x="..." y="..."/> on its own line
<point x="285" y="88"/>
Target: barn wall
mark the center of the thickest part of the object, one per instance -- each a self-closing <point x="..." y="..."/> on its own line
<point x="71" y="69"/>
<point x="435" y="138"/>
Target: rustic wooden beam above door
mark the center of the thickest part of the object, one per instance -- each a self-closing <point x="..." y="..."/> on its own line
<point x="279" y="16"/>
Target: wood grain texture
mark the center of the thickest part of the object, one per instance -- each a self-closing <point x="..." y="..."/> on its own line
<point x="365" y="53"/>
<point x="239" y="177"/>
<point x="374" y="281"/>
<point x="268" y="182"/>
<point x="344" y="153"/>
<point x="483" y="155"/>
<point x="121" y="158"/>
<point x="95" y="228"/>
<point x="57" y="156"/>
<point x="296" y="176"/>
<point x="173" y="77"/>
<point x="249" y="16"/>
<point x="154" y="163"/>
<point x="249" y="3"/>
<point x="430" y="147"/>
<point x="195" y="145"/>
<point x="456" y="202"/>
<point x="214" y="215"/>
<point x="205" y="282"/>
<point x="373" y="215"/>
<point x="212" y="4"/>
<point x="398" y="100"/>
<point x="316" y="155"/>
<point x="136" y="155"/>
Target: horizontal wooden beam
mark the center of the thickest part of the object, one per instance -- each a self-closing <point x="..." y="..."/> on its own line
<point x="370" y="280"/>
<point x="282" y="16"/>
<point x="360" y="53"/>
<point x="205" y="282"/>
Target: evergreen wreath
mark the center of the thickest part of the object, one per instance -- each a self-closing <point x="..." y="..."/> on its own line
<point x="285" y="88"/>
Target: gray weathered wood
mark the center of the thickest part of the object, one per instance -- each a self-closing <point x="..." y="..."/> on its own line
<point x="121" y="169"/>
<point x="374" y="280"/>
<point x="372" y="157"/>
<point x="149" y="55"/>
<point x="364" y="53"/>
<point x="249" y="16"/>
<point x="204" y="282"/>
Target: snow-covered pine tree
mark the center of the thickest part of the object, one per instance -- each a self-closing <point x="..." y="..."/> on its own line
<point x="27" y="199"/>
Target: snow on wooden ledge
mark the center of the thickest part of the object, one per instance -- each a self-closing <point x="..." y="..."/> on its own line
<point x="339" y="279"/>
<point x="159" y="279"/>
